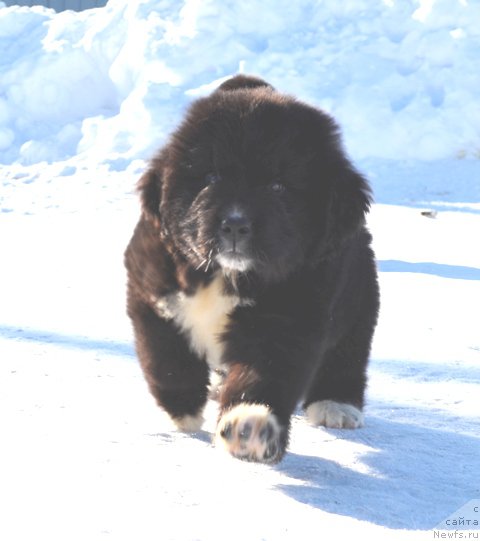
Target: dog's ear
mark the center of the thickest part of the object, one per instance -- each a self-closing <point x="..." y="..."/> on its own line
<point x="149" y="187"/>
<point x="347" y="202"/>
<point x="243" y="81"/>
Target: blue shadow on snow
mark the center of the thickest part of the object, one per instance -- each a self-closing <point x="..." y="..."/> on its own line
<point x="437" y="269"/>
<point x="413" y="477"/>
<point x="67" y="341"/>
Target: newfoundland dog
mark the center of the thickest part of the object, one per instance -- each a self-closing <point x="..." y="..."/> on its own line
<point x="251" y="261"/>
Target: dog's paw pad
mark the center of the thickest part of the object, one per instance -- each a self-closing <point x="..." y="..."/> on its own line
<point x="334" y="415"/>
<point x="251" y="432"/>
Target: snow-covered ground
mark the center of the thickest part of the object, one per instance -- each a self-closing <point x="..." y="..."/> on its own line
<point x="84" y="98"/>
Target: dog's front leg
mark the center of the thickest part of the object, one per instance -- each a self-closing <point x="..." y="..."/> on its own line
<point x="270" y="363"/>
<point x="177" y="377"/>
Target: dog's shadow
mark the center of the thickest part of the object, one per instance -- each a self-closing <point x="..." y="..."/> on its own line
<point x="407" y="480"/>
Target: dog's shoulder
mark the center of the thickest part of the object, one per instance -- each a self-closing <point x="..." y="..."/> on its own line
<point x="150" y="268"/>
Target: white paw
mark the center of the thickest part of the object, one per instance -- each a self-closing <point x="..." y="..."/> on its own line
<point x="251" y="432"/>
<point x="189" y="423"/>
<point x="334" y="415"/>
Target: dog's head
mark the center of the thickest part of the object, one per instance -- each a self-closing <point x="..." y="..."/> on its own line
<point x="254" y="181"/>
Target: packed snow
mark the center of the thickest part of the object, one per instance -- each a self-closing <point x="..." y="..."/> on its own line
<point x="85" y="98"/>
<point x="115" y="79"/>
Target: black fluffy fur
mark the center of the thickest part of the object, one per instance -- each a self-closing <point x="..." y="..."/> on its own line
<point x="303" y="333"/>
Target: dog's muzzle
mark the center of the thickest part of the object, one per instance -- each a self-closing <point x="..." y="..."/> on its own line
<point x="235" y="236"/>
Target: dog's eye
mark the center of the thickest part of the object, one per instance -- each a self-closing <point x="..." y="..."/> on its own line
<point x="212" y="178"/>
<point x="277" y="187"/>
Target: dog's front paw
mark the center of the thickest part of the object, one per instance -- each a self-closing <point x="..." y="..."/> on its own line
<point x="189" y="423"/>
<point x="251" y="432"/>
<point x="334" y="414"/>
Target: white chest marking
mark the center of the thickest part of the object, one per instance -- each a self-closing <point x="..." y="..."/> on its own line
<point x="202" y="317"/>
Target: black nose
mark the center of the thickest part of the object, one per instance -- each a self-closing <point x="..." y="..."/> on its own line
<point x="235" y="230"/>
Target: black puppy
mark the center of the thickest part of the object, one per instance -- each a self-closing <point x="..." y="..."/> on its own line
<point x="251" y="259"/>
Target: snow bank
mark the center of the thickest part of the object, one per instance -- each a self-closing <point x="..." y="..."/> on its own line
<point x="401" y="77"/>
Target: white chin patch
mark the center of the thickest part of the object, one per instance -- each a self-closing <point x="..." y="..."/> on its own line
<point x="334" y="415"/>
<point x="234" y="263"/>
